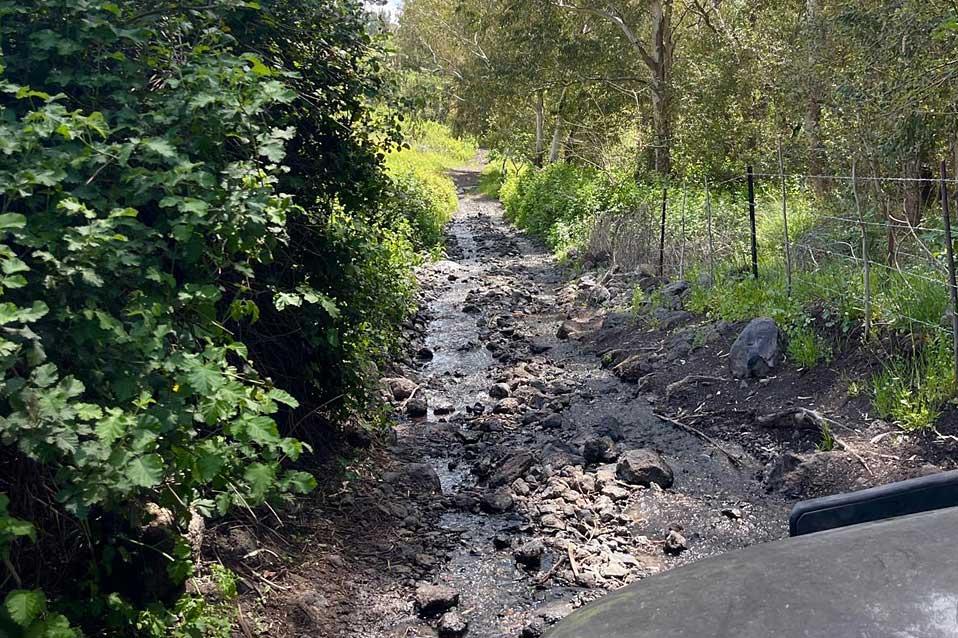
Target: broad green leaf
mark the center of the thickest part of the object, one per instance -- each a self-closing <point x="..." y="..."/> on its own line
<point x="146" y="471"/>
<point x="24" y="606"/>
<point x="282" y="396"/>
<point x="300" y="482"/>
<point x="10" y="221"/>
<point x="263" y="430"/>
<point x="261" y="478"/>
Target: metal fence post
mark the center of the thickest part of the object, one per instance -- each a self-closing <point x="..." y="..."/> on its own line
<point x="685" y="195"/>
<point x="708" y="210"/>
<point x="665" y="199"/>
<point x="751" y="218"/>
<point x="949" y="252"/>
<point x="868" y="281"/>
<point x="788" y="248"/>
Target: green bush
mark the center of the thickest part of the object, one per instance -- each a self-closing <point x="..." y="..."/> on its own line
<point x="202" y="255"/>
<point x="423" y="193"/>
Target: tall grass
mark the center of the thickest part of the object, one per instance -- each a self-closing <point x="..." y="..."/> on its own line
<point x="423" y="191"/>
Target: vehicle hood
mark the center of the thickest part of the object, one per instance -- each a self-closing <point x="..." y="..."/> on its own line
<point x="890" y="578"/>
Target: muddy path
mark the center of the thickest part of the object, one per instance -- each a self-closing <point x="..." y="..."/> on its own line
<point x="529" y="528"/>
<point x="525" y="474"/>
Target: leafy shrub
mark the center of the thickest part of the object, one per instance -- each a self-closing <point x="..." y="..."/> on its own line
<point x="197" y="243"/>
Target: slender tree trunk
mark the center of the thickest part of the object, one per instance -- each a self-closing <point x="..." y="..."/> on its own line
<point x="540" y="128"/>
<point x="662" y="54"/>
<point x="813" y="107"/>
<point x="557" y="131"/>
<point x="556" y="139"/>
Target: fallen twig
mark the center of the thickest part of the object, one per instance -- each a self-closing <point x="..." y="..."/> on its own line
<point x="575" y="568"/>
<point x="854" y="453"/>
<point x="734" y="458"/>
<point x="559" y="563"/>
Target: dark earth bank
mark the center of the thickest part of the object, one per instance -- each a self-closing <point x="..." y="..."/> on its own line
<point x="552" y="447"/>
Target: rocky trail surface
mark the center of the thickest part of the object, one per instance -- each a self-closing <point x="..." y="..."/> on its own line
<point x="548" y="450"/>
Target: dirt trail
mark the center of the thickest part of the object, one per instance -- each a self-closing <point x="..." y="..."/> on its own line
<point x="525" y="528"/>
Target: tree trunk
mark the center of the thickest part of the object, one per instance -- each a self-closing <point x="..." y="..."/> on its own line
<point x="556" y="138"/>
<point x="662" y="54"/>
<point x="557" y="131"/>
<point x="813" y="107"/>
<point x="540" y="129"/>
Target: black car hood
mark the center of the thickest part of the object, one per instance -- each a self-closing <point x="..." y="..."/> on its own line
<point x="896" y="578"/>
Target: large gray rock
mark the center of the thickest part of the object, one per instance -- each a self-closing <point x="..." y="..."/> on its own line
<point x="757" y="351"/>
<point x="644" y="467"/>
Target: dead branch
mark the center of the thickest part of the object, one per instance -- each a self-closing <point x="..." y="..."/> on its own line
<point x="734" y="458"/>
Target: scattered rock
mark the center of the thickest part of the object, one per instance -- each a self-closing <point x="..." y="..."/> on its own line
<point x="600" y="449"/>
<point x="611" y="427"/>
<point x="398" y="387"/>
<point x="757" y="350"/>
<point x="415" y="477"/>
<point x="501" y="541"/>
<point x="632" y="369"/>
<point x="643" y="467"/>
<point x="443" y="408"/>
<point x="425" y="354"/>
<point x="529" y="554"/>
<point x="432" y="600"/>
<point x="513" y="466"/>
<point x="675" y="543"/>
<point x="509" y="405"/>
<point x="417" y="407"/>
<point x="499" y="391"/>
<point x="496" y="502"/>
<point x="312" y="605"/>
<point x="452" y="625"/>
<point x="733" y="513"/>
<point x="533" y="629"/>
<point x="552" y="422"/>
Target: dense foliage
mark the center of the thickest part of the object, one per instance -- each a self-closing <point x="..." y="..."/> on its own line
<point x="203" y="256"/>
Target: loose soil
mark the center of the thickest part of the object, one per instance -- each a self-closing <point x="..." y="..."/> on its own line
<point x="467" y="495"/>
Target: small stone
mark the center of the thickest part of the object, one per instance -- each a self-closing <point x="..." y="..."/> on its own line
<point x="675" y="543"/>
<point x="534" y="629"/>
<point x="732" y="512"/>
<point x="529" y="553"/>
<point x="432" y="600"/>
<point x="443" y="408"/>
<point x="599" y="450"/>
<point x="496" y="502"/>
<point x="452" y="625"/>
<point x="553" y="421"/>
<point x="417" y="407"/>
<point x="425" y="354"/>
<point x="501" y="541"/>
<point x="508" y="405"/>
<point x="615" y="492"/>
<point x="520" y="487"/>
<point x="513" y="466"/>
<point x="644" y="467"/>
<point x="399" y="388"/>
<point x="499" y="391"/>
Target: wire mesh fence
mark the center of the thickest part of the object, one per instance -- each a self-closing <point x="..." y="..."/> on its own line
<point x="880" y="248"/>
